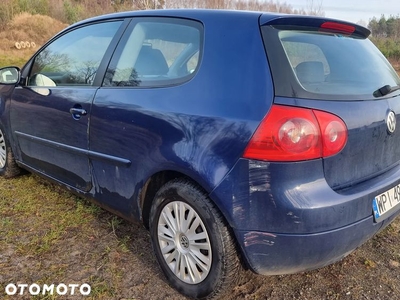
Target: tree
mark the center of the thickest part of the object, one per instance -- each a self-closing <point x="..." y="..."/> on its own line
<point x="385" y="27"/>
<point x="148" y="4"/>
<point x="139" y="4"/>
<point x="314" y="8"/>
<point x="386" y="36"/>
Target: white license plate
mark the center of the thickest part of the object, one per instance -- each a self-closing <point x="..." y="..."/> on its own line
<point x="385" y="202"/>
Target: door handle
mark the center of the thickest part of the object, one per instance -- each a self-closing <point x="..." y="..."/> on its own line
<point x="77" y="113"/>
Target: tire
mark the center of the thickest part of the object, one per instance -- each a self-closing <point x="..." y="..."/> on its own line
<point x="8" y="166"/>
<point x="210" y="260"/>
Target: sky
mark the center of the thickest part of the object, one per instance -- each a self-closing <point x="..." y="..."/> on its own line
<point x="352" y="10"/>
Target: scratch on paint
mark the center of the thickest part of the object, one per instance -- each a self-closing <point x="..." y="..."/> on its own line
<point x="259" y="238"/>
<point x="259" y="179"/>
<point x="295" y="218"/>
<point x="117" y="174"/>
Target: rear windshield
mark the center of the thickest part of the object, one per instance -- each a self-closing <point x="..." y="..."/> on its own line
<point x="313" y="64"/>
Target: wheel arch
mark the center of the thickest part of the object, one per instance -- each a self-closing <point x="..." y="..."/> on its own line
<point x="151" y="187"/>
<point x="154" y="183"/>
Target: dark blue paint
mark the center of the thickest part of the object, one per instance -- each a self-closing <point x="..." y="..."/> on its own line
<point x="48" y="138"/>
<point x="199" y="128"/>
<point x="274" y="254"/>
<point x="288" y="218"/>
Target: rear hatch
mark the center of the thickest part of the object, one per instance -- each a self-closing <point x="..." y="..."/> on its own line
<point x="332" y="66"/>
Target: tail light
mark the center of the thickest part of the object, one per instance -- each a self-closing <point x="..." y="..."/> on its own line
<point x="295" y="134"/>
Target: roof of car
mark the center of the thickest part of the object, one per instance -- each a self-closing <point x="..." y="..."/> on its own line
<point x="195" y="13"/>
<point x="182" y="13"/>
<point x="204" y="14"/>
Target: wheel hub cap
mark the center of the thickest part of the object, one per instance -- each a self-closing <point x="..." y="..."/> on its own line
<point x="3" y="151"/>
<point x="184" y="242"/>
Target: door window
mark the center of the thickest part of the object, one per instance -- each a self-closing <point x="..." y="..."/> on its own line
<point x="156" y="52"/>
<point x="74" y="58"/>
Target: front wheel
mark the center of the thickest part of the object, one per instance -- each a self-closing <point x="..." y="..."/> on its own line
<point x="193" y="245"/>
<point x="8" y="166"/>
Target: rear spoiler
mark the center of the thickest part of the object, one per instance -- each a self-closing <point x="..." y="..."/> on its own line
<point x="297" y="22"/>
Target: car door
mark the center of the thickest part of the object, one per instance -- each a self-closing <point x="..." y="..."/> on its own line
<point x="50" y="114"/>
<point x="130" y="131"/>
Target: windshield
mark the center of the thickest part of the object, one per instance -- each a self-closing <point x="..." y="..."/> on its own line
<point x="333" y="64"/>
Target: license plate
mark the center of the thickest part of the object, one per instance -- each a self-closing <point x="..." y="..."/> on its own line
<point x="385" y="202"/>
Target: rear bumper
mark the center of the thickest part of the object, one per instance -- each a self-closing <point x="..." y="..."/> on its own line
<point x="275" y="254"/>
<point x="287" y="219"/>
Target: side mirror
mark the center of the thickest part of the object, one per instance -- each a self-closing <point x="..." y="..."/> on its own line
<point x="10" y="75"/>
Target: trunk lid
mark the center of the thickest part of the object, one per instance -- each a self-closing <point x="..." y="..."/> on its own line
<point x="372" y="148"/>
<point x="332" y="66"/>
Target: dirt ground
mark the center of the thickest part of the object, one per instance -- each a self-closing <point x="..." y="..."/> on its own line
<point x="115" y="258"/>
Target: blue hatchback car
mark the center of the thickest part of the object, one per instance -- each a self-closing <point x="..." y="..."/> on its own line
<point x="240" y="139"/>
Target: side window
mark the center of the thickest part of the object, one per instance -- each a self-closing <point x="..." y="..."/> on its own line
<point x="156" y="52"/>
<point x="74" y="58"/>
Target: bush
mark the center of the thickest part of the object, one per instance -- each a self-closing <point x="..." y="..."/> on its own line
<point x="390" y="47"/>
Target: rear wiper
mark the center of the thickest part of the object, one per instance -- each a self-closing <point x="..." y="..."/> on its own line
<point x="386" y="90"/>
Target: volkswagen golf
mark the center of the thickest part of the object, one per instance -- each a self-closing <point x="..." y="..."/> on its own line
<point x="239" y="139"/>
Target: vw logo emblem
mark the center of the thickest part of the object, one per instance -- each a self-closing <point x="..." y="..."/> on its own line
<point x="391" y="122"/>
<point x="184" y="242"/>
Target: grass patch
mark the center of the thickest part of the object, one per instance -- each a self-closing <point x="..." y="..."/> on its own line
<point x="36" y="217"/>
<point x="44" y="214"/>
<point x="51" y="236"/>
<point x="6" y="60"/>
